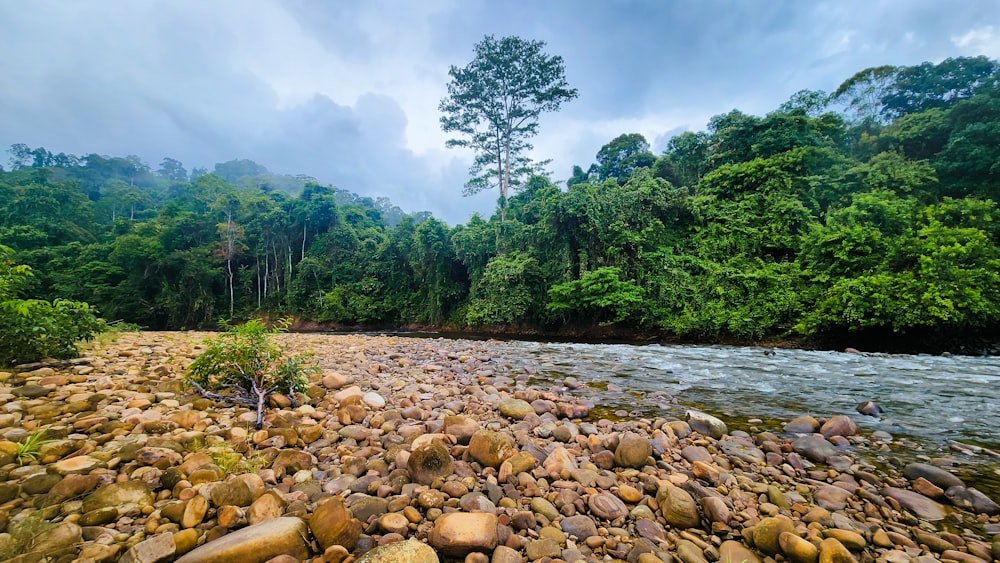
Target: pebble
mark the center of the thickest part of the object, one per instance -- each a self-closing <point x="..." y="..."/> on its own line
<point x="414" y="450"/>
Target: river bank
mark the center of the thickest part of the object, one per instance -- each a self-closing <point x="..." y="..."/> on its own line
<point x="401" y="444"/>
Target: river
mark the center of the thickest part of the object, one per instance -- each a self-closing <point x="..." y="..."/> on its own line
<point x="931" y="403"/>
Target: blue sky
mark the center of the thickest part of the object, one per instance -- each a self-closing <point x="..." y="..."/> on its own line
<point x="348" y="92"/>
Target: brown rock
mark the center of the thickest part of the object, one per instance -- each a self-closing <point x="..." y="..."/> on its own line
<point x="429" y="462"/>
<point x="832" y="551"/>
<point x="256" y="544"/>
<point x="491" y="448"/>
<point x="457" y="534"/>
<point x="633" y="450"/>
<point x="796" y="549"/>
<point x="678" y="507"/>
<point x="333" y="524"/>
<point x="267" y="507"/>
<point x="767" y="532"/>
<point x="839" y="425"/>
<point x="735" y="552"/>
<point x="157" y="549"/>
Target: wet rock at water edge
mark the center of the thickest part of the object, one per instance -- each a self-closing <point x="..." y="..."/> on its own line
<point x="870" y="408"/>
<point x="706" y="424"/>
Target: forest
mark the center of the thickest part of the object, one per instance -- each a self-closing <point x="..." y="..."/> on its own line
<point x="870" y="212"/>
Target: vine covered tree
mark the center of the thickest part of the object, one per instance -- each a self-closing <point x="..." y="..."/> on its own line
<point x="494" y="103"/>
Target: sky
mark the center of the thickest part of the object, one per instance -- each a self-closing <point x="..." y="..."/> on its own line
<point x="348" y="91"/>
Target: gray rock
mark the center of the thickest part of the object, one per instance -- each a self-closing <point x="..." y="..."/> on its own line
<point x="706" y="424"/>
<point x="932" y="473"/>
<point x="916" y="503"/>
<point x="580" y="526"/>
<point x="971" y="499"/>
<point x="869" y="408"/>
<point x="814" y="447"/>
<point x="157" y="549"/>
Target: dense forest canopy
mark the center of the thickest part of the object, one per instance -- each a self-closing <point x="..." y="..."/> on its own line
<point x="871" y="209"/>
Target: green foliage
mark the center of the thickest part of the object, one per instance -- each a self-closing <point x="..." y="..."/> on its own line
<point x="28" y="449"/>
<point x="507" y="293"/>
<point x="246" y="357"/>
<point x="494" y="104"/>
<point x="23" y="528"/>
<point x="600" y="295"/>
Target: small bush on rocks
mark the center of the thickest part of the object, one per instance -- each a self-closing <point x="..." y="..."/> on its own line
<point x="246" y="361"/>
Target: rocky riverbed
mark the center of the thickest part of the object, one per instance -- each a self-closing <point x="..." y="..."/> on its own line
<point x="417" y="450"/>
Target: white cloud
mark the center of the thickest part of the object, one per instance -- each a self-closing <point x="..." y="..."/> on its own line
<point x="979" y="41"/>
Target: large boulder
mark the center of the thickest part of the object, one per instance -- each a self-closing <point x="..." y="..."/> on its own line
<point x="256" y="544"/>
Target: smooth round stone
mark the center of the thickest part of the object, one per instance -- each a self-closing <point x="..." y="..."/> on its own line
<point x="580" y="526"/>
<point x="333" y="524"/>
<point x="706" y="424"/>
<point x="629" y="494"/>
<point x="517" y="409"/>
<point x="735" y="552"/>
<point x="832" y="551"/>
<point x="840" y="425"/>
<point x="814" y="447"/>
<point x="633" y="450"/>
<point x="767" y="532"/>
<point x="545" y="508"/>
<point x="916" y="503"/>
<point x="429" y="462"/>
<point x="796" y="549"/>
<point x="934" y="474"/>
<point x="543" y="547"/>
<point x="802" y="425"/>
<point x="491" y="448"/>
<point x="607" y="506"/>
<point x="373" y="400"/>
<point x="678" y="507"/>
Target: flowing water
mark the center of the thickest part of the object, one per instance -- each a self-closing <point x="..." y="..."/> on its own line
<point x="937" y="405"/>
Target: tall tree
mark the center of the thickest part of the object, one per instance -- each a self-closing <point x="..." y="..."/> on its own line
<point x="494" y="104"/>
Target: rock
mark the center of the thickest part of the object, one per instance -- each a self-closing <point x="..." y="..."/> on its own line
<point x="741" y="448"/>
<point x="869" y="408"/>
<point x="517" y="463"/>
<point x="63" y="535"/>
<point x="461" y="428"/>
<point x="557" y="461"/>
<point x="767" y="533"/>
<point x="504" y="554"/>
<point x="256" y="544"/>
<point x="235" y="492"/>
<point x="580" y="526"/>
<point x="814" y="447"/>
<point x="544" y="507"/>
<point x="839" y="425"/>
<point x="832" y="551"/>
<point x="543" y="547"/>
<point x="802" y="425"/>
<point x="831" y="498"/>
<point x="515" y="408"/>
<point x="333" y="524"/>
<point x="849" y="538"/>
<point x="735" y="552"/>
<point x="71" y="486"/>
<point x="157" y="549"/>
<point x="716" y="510"/>
<point x="688" y="552"/>
<point x="457" y="534"/>
<point x="916" y="503"/>
<point x="78" y="465"/>
<point x="633" y="450"/>
<point x="409" y="551"/>
<point x="126" y="497"/>
<point x="706" y="424"/>
<point x="678" y="507"/>
<point x="289" y="461"/>
<point x="429" y="462"/>
<point x="971" y="499"/>
<point x="373" y="400"/>
<point x="607" y="506"/>
<point x="934" y="474"/>
<point x="491" y="448"/>
<point x="796" y="549"/>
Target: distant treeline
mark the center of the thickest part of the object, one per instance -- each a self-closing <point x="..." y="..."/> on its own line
<point x="871" y="209"/>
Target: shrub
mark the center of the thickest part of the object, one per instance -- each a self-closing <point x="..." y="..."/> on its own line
<point x="246" y="361"/>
